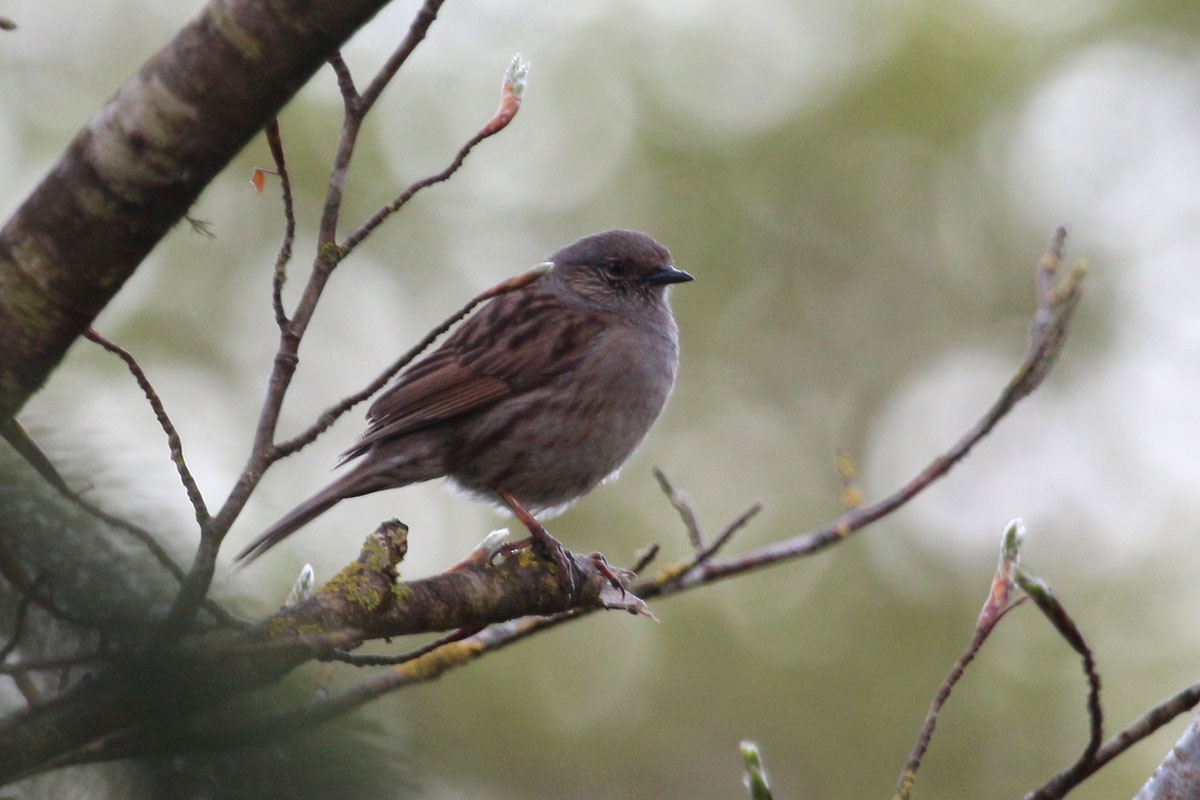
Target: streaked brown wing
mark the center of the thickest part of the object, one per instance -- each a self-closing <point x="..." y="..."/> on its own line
<point x="440" y="387"/>
<point x="515" y="343"/>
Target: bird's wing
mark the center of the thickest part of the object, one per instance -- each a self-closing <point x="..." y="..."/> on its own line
<point x="515" y="343"/>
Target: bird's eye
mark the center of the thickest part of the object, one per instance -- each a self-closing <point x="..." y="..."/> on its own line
<point x="616" y="267"/>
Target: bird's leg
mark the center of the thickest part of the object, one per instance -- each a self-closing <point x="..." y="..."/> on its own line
<point x="543" y="543"/>
<point x="549" y="547"/>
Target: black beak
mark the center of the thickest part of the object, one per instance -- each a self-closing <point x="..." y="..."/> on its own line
<point x="668" y="273"/>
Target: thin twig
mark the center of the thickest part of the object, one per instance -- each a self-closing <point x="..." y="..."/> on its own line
<point x="512" y="89"/>
<point x="645" y="559"/>
<point x="164" y="421"/>
<point x="19" y="439"/>
<point x="739" y="522"/>
<point x="908" y="774"/>
<point x="421" y="23"/>
<point x="995" y="607"/>
<point x="345" y="657"/>
<point x="683" y="506"/>
<point x="345" y="80"/>
<point x="1145" y="725"/>
<point x="1054" y="611"/>
<point x="706" y="554"/>
<point x="275" y="143"/>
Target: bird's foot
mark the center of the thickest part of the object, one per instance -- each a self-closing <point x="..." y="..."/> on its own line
<point x="545" y="545"/>
<point x="552" y="550"/>
<point x="602" y="566"/>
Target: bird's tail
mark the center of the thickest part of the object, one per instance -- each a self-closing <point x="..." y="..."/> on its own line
<point x="348" y="485"/>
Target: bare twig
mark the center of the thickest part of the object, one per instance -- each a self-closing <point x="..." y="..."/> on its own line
<point x="164" y="421"/>
<point x="1087" y="763"/>
<point x="345" y="81"/>
<point x="356" y="108"/>
<point x="908" y="774"/>
<point x="1141" y="728"/>
<point x="647" y="556"/>
<point x="739" y="522"/>
<point x="510" y="102"/>
<point x="1096" y="753"/>
<point x="200" y="226"/>
<point x="391" y="661"/>
<point x="15" y="434"/>
<point x="275" y="143"/>
<point x="687" y="514"/>
<point x="416" y="32"/>
<point x="995" y="607"/>
<point x="329" y="254"/>
<point x="683" y="506"/>
<point x="352" y="119"/>
<point x="197" y="599"/>
<point x="1043" y="596"/>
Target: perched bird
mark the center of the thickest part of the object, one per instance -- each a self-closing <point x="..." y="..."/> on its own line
<point x="535" y="399"/>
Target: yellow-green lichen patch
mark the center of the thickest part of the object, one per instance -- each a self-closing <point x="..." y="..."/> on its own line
<point x="433" y="664"/>
<point x="285" y="626"/>
<point x="401" y="591"/>
<point x="527" y="559"/>
<point x="375" y="555"/>
<point x="356" y="584"/>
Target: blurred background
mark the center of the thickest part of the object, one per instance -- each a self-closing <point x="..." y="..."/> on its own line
<point x="862" y="190"/>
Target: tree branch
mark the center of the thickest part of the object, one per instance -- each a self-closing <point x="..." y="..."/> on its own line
<point x="139" y="164"/>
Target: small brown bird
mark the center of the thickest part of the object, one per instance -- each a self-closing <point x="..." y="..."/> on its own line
<point x="532" y="402"/>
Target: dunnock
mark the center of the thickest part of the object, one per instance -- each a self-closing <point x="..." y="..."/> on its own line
<point x="533" y="401"/>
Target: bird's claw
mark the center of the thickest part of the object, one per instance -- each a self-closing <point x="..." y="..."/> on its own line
<point x="552" y="550"/>
<point x="602" y="566"/>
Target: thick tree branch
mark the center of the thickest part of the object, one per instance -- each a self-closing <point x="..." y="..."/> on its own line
<point x="122" y="713"/>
